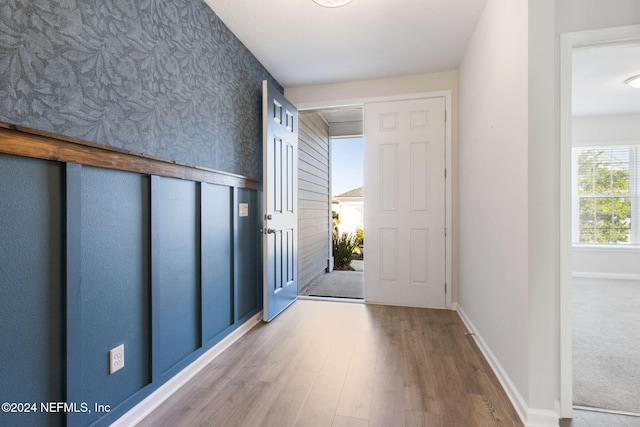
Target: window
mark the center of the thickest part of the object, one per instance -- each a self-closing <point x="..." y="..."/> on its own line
<point x="605" y="195"/>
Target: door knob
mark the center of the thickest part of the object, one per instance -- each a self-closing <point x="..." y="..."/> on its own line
<point x="271" y="231"/>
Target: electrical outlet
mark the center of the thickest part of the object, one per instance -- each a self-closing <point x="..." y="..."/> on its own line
<point x="116" y="359"/>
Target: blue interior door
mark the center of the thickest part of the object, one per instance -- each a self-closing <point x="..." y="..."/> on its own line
<point x="280" y="192"/>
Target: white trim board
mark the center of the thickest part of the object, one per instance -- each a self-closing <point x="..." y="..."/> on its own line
<point x="612" y="249"/>
<point x="531" y="417"/>
<point x="155" y="399"/>
<point x="359" y="102"/>
<point x="613" y="276"/>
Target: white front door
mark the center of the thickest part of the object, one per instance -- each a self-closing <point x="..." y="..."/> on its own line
<point x="280" y="201"/>
<point x="405" y="220"/>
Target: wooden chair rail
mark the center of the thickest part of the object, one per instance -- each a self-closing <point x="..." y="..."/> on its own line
<point x="21" y="141"/>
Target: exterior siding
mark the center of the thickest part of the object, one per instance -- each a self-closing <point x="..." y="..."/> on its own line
<point x="314" y="199"/>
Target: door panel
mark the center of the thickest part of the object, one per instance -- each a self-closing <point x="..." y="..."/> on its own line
<point x="405" y="202"/>
<point x="280" y="217"/>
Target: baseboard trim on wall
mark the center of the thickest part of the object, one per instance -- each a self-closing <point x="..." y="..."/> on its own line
<point x="531" y="417"/>
<point x="541" y="418"/>
<point x="155" y="399"/>
<point x="512" y="392"/>
<point x="614" y="276"/>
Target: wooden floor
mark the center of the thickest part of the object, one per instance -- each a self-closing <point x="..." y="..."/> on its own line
<point x="337" y="364"/>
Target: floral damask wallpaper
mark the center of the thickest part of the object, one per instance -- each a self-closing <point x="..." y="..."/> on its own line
<point x="162" y="77"/>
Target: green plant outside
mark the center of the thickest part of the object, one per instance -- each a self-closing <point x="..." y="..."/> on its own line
<point x="359" y="236"/>
<point x="343" y="246"/>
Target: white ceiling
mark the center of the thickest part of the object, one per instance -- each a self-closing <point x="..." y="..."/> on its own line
<point x="599" y="76"/>
<point x="301" y="43"/>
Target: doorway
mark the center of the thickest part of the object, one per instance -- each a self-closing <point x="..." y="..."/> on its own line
<point x="418" y="119"/>
<point x="600" y="277"/>
<point x="343" y="277"/>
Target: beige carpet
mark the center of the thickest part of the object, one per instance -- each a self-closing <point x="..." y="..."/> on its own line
<point x="606" y="344"/>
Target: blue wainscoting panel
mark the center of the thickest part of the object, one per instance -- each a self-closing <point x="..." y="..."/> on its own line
<point x="175" y="272"/>
<point x="217" y="260"/>
<point x="31" y="319"/>
<point x="248" y="263"/>
<point x="114" y="288"/>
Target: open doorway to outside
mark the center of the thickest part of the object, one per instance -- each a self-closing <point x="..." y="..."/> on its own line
<point x="344" y="276"/>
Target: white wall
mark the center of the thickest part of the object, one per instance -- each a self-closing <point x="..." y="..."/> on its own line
<point x="615" y="263"/>
<point x="348" y="93"/>
<point x="544" y="216"/>
<point x="492" y="187"/>
<point x="582" y="15"/>
<point x="351" y="215"/>
<point x="605" y="130"/>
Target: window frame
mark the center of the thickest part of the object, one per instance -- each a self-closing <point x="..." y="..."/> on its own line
<point x="633" y="194"/>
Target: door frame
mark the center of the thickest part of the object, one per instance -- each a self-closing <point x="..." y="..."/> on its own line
<point x="451" y="226"/>
<point x="569" y="42"/>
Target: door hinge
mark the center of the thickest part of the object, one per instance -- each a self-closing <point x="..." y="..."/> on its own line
<point x="445" y="116"/>
<point x="445" y="288"/>
<point x="445" y="230"/>
<point x="445" y="173"/>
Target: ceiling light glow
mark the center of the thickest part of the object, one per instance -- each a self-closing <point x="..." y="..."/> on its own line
<point x="332" y="3"/>
<point x="634" y="81"/>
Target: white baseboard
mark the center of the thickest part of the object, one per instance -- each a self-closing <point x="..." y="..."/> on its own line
<point x="155" y="399"/>
<point x="531" y="417"/>
<point x="542" y="418"/>
<point x="615" y="276"/>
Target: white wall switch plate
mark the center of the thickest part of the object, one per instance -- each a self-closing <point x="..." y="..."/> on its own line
<point x="243" y="209"/>
<point x="116" y="359"/>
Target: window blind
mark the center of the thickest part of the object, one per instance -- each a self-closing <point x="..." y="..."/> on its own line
<point x="605" y="202"/>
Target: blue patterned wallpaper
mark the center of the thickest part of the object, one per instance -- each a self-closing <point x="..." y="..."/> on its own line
<point x="161" y="77"/>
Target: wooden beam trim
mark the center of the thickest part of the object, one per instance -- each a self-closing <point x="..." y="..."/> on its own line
<point x="26" y="142"/>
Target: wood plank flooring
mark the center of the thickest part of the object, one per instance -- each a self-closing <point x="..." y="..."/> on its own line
<point x="337" y="364"/>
